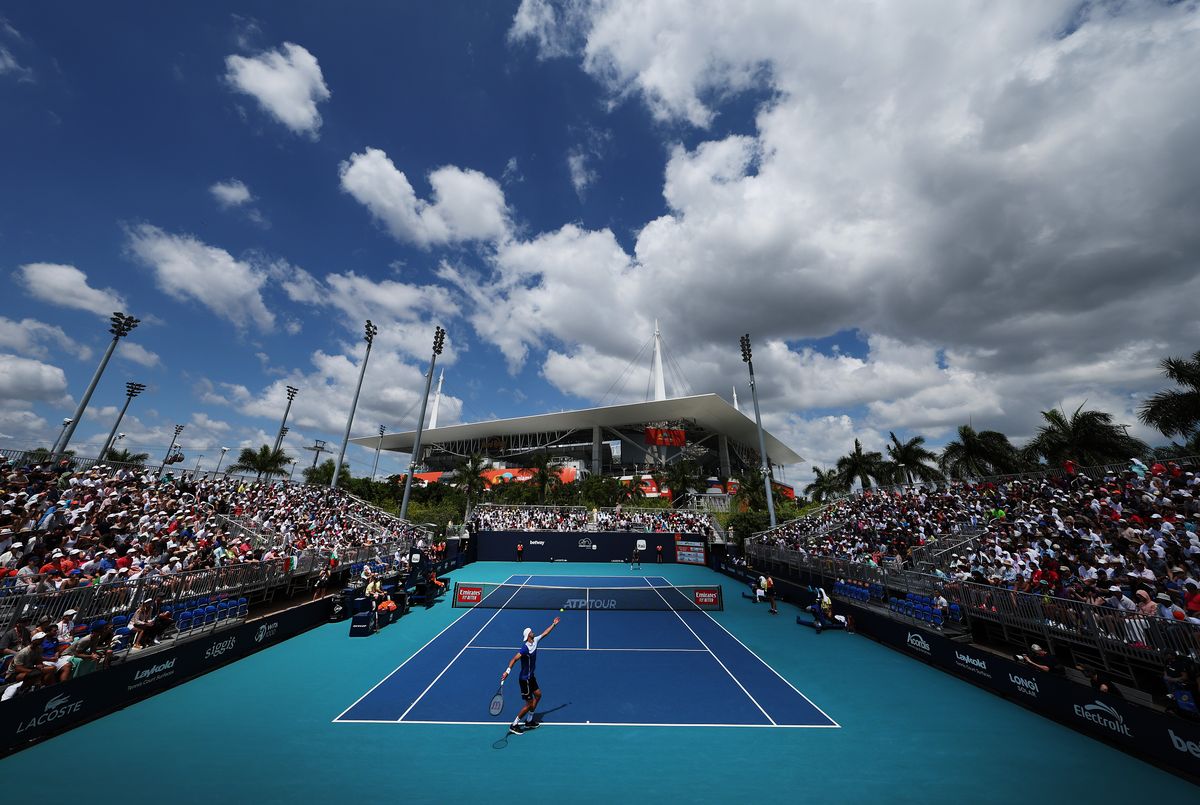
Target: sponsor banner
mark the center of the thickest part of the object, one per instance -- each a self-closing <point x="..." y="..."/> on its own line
<point x="469" y="596"/>
<point x="666" y="437"/>
<point x="41" y="714"/>
<point x="570" y="546"/>
<point x="1167" y="740"/>
<point x="691" y="553"/>
<point x="706" y="599"/>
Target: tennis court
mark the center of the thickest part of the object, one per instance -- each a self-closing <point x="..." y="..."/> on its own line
<point x="635" y="651"/>
<point x="263" y="730"/>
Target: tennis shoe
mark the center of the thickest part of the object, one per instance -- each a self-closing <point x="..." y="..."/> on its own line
<point x="532" y="725"/>
<point x="516" y="729"/>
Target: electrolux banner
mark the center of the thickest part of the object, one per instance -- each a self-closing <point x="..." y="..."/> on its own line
<point x="38" y="715"/>
<point x="571" y="546"/>
<point x="1168" y="740"/>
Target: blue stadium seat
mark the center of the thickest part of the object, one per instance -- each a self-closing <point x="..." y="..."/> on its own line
<point x="210" y="614"/>
<point x="119" y="621"/>
<point x="243" y="607"/>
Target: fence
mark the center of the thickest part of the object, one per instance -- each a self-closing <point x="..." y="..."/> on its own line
<point x="251" y="580"/>
<point x="1107" y="631"/>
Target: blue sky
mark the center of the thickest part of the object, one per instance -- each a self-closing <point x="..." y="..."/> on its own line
<point x="904" y="232"/>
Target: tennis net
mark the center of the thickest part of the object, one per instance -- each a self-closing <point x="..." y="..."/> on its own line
<point x="527" y="596"/>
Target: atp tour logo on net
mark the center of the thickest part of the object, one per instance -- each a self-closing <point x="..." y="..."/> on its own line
<point x="590" y="603"/>
<point x="58" y="707"/>
<point x="1102" y="715"/>
<point x="917" y="642"/>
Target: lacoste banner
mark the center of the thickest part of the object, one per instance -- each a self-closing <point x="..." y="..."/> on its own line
<point x="41" y="714"/>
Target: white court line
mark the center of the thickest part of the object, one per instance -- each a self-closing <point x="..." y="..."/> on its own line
<point x="832" y="724"/>
<point x="415" y="653"/>
<point x="715" y="657"/>
<point x="460" y="653"/>
<point x="595" y="724"/>
<point x="588" y="621"/>
<point x="576" y="648"/>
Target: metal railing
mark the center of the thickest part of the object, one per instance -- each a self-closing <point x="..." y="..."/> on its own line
<point x="252" y="580"/>
<point x="1105" y="630"/>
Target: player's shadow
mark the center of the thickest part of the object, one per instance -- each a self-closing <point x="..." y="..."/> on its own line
<point x="538" y="716"/>
<point x="502" y="743"/>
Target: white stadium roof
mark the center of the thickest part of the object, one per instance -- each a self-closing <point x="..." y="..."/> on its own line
<point x="709" y="411"/>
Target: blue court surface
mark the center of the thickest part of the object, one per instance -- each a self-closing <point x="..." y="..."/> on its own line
<point x="288" y="725"/>
<point x="598" y="667"/>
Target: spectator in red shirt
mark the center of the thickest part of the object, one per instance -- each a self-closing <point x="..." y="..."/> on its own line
<point x="1191" y="599"/>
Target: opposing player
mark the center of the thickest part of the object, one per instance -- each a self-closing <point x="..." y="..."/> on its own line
<point x="530" y="692"/>
<point x="635" y="560"/>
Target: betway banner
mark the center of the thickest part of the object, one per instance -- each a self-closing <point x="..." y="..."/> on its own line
<point x="39" y="715"/>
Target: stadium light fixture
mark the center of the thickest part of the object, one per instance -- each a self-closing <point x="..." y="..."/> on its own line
<point x="131" y="390"/>
<point x="747" y="358"/>
<point x="370" y="332"/>
<point x="291" y="395"/>
<point x="439" y="340"/>
<point x="120" y="325"/>
<point x="171" y="448"/>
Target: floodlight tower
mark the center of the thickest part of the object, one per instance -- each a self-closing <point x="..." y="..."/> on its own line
<point x="131" y="390"/>
<point x="120" y="326"/>
<point x="439" y="338"/>
<point x="371" y="330"/>
<point x="762" y="442"/>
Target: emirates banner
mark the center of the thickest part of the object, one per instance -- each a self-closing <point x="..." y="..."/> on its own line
<point x="666" y="437"/>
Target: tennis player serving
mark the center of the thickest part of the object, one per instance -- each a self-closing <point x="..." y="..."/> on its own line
<point x="530" y="692"/>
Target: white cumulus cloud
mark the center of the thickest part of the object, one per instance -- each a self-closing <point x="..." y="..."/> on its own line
<point x="67" y="286"/>
<point x="466" y="205"/>
<point x="231" y="193"/>
<point x="186" y="268"/>
<point x="287" y="83"/>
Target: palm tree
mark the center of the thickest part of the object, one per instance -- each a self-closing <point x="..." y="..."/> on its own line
<point x="322" y="474"/>
<point x="1173" y="411"/>
<point x="681" y="477"/>
<point x="1086" y="437"/>
<point x="826" y="484"/>
<point x="862" y="466"/>
<point x="264" y="461"/>
<point x="545" y="474"/>
<point x="468" y="477"/>
<point x="978" y="454"/>
<point x="912" y="459"/>
<point x="125" y="457"/>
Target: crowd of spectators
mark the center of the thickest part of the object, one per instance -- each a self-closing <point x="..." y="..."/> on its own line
<point x="1129" y="541"/>
<point x="575" y="518"/>
<point x="657" y="520"/>
<point x="62" y="529"/>
<point x="530" y="518"/>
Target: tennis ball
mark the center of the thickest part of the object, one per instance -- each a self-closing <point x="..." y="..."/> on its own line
<point x="561" y="610"/>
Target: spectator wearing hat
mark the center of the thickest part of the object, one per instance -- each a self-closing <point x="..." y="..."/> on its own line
<point x="28" y="664"/>
<point x="66" y="624"/>
<point x="1041" y="659"/>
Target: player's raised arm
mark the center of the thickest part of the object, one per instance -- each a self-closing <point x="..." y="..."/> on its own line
<point x="549" y="629"/>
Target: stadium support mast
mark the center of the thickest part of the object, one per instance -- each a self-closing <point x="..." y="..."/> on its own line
<point x="656" y="367"/>
<point x="735" y="402"/>
<point x="437" y="401"/>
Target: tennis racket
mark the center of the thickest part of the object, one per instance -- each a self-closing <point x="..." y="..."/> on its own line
<point x="497" y="705"/>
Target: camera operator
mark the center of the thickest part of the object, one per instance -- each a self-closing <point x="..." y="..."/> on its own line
<point x="1041" y="659"/>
